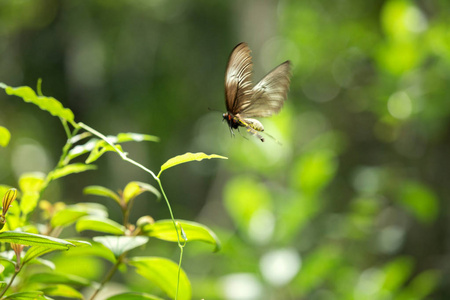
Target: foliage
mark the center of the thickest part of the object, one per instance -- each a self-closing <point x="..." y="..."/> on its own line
<point x="58" y="216"/>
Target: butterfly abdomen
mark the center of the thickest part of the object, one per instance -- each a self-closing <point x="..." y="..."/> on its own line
<point x="255" y="124"/>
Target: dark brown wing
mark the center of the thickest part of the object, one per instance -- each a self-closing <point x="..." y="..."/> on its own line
<point x="238" y="78"/>
<point x="269" y="94"/>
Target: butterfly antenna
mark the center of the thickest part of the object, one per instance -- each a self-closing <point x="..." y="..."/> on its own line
<point x="212" y="109"/>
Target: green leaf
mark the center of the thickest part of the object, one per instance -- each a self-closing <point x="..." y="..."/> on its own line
<point x="97" y="250"/>
<point x="82" y="149"/>
<point x="100" y="148"/>
<point x="31" y="239"/>
<point x="164" y="273"/>
<point x="5" y="136"/>
<point x="120" y="244"/>
<point x="164" y="230"/>
<point x="71" y="169"/>
<point x="49" y="104"/>
<point x="44" y="262"/>
<point x="62" y="290"/>
<point x="35" y="252"/>
<point x="419" y="200"/>
<point x="135" y="188"/>
<point x="31" y="182"/>
<point x="187" y="157"/>
<point x="101" y="191"/>
<point x="103" y="225"/>
<point x="26" y="296"/>
<point x="135" y="137"/>
<point x="72" y="213"/>
<point x="67" y="216"/>
<point x="58" y="278"/>
<point x="134" y="296"/>
<point x="30" y="185"/>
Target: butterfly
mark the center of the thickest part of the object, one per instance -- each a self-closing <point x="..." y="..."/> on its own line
<point x="244" y="100"/>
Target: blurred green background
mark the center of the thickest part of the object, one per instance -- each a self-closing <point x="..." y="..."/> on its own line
<point x="353" y="205"/>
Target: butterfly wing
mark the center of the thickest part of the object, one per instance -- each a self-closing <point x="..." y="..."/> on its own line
<point x="269" y="94"/>
<point x="238" y="78"/>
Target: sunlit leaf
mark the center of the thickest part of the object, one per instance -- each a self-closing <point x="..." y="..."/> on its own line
<point x="187" y="157"/>
<point x="71" y="169"/>
<point x="31" y="182"/>
<point x="72" y="213"/>
<point x="101" y="191"/>
<point x="134" y="296"/>
<point x="100" y="148"/>
<point x="96" y="249"/>
<point x="5" y="136"/>
<point x="120" y="244"/>
<point x="43" y="262"/>
<point x="30" y="239"/>
<point x="36" y="251"/>
<point x="163" y="273"/>
<point x="82" y="149"/>
<point x="62" y="290"/>
<point x="135" y="137"/>
<point x="164" y="230"/>
<point x="49" y="104"/>
<point x="58" y="278"/>
<point x="67" y="216"/>
<point x="26" y="296"/>
<point x="30" y="185"/>
<point x="102" y="225"/>
<point x="135" y="188"/>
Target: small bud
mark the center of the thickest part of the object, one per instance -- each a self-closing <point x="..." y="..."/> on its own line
<point x="9" y="197"/>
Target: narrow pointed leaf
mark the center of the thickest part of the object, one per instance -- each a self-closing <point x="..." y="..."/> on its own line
<point x="134" y="296"/>
<point x="135" y="188"/>
<point x="35" y="252"/>
<point x="102" y="225"/>
<point x="67" y="216"/>
<point x="97" y="250"/>
<point x="58" y="278"/>
<point x="100" y="148"/>
<point x="71" y="169"/>
<point x="135" y="137"/>
<point x="49" y="104"/>
<point x="30" y="239"/>
<point x="187" y="157"/>
<point x="62" y="290"/>
<point x="120" y="244"/>
<point x="101" y="191"/>
<point x="163" y="273"/>
<point x="37" y="295"/>
<point x="5" y="136"/>
<point x="164" y="230"/>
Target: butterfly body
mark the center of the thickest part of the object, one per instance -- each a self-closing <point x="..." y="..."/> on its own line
<point x="244" y="100"/>
<point x="251" y="125"/>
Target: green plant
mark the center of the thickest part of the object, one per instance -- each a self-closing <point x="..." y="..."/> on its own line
<point x="19" y="230"/>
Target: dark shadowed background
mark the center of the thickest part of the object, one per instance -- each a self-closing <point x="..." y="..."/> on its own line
<point x="352" y="205"/>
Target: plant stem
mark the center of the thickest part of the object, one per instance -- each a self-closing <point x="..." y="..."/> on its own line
<point x="108" y="276"/>
<point x="10" y="282"/>
<point x="123" y="155"/>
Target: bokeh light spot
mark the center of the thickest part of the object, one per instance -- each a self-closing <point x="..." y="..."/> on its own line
<point x="400" y="105"/>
